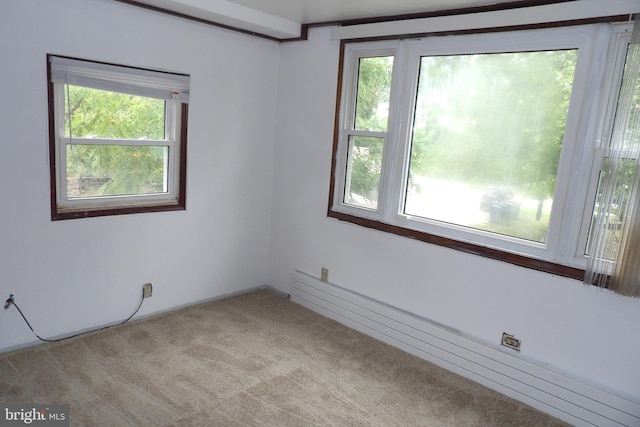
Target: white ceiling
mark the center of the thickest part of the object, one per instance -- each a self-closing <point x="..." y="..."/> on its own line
<point x="307" y="11"/>
<point x="283" y="18"/>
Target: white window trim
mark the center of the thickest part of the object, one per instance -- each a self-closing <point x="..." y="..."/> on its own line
<point x="579" y="159"/>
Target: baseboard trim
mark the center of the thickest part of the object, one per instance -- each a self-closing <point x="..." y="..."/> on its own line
<point x="551" y="392"/>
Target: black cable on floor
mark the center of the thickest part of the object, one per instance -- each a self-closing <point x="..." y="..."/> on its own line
<point x="10" y="301"/>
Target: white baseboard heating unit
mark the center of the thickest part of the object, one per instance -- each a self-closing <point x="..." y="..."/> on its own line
<point x="572" y="401"/>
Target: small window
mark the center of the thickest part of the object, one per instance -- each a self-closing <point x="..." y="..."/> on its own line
<point x="117" y="138"/>
<point x="367" y="136"/>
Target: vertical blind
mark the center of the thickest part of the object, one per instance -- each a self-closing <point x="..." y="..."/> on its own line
<point x="614" y="243"/>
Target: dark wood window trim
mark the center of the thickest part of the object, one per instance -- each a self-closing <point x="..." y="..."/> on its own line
<point x="56" y="214"/>
<point x="496" y="254"/>
<point x="470" y="248"/>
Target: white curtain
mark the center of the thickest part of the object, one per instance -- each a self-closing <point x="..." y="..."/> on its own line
<point x="614" y="243"/>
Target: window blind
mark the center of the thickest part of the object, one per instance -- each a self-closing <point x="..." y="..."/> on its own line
<point x="116" y="78"/>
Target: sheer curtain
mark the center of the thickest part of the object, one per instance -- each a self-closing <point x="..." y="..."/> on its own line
<point x="614" y="243"/>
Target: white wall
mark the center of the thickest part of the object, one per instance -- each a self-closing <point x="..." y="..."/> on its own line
<point x="585" y="332"/>
<point x="72" y="275"/>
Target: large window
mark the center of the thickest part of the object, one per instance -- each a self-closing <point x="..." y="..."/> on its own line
<point x="484" y="143"/>
<point x="118" y="138"/>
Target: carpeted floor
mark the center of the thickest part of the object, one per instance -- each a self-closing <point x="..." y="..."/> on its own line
<point x="254" y="359"/>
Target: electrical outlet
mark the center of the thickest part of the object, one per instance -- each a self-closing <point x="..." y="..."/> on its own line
<point x="324" y="275"/>
<point x="147" y="289"/>
<point x="8" y="302"/>
<point x="511" y="341"/>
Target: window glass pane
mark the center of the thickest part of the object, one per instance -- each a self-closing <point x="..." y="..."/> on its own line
<point x="102" y="114"/>
<point x="374" y="87"/>
<point x="487" y="134"/>
<point x="631" y="143"/>
<point x="615" y="212"/>
<point x="363" y="171"/>
<point x="116" y="170"/>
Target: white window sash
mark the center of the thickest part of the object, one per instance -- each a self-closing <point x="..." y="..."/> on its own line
<point x="170" y="87"/>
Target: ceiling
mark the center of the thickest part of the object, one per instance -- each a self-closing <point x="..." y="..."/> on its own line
<point x="308" y="11"/>
<point x="282" y="19"/>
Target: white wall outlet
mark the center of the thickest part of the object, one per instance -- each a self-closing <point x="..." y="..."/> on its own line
<point x="511" y="341"/>
<point x="324" y="275"/>
<point x="147" y="289"/>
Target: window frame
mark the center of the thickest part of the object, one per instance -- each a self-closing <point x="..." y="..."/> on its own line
<point x="136" y="81"/>
<point x="348" y="115"/>
<point x="562" y="252"/>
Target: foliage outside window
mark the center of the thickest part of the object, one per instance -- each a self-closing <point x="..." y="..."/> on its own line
<point x="118" y="139"/>
<point x="473" y="141"/>
<point x="367" y="139"/>
<point x="489" y="129"/>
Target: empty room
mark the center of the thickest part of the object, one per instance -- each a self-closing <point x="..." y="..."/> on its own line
<point x="296" y="212"/>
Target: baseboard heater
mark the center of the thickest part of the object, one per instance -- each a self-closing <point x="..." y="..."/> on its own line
<point x="559" y="395"/>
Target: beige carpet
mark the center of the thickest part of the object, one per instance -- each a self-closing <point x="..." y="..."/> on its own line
<point x="256" y="359"/>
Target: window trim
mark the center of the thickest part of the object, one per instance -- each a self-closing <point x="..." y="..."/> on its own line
<point x="173" y="200"/>
<point x="348" y="213"/>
